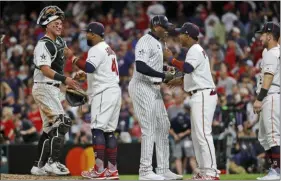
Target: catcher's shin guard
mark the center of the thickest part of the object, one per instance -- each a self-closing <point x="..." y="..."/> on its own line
<point x="44" y="155"/>
<point x="60" y="128"/>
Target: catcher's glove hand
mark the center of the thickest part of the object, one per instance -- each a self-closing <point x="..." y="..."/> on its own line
<point x="76" y="97"/>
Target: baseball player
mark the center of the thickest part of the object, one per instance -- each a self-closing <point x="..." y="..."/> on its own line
<point x="144" y="89"/>
<point x="48" y="75"/>
<point x="105" y="100"/>
<point x="267" y="104"/>
<point x="198" y="82"/>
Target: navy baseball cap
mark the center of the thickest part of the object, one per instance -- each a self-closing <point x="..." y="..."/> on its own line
<point x="270" y="27"/>
<point x="95" y="28"/>
<point x="190" y="29"/>
<point x="160" y="20"/>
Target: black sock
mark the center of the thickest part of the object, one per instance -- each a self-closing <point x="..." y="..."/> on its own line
<point x="43" y="137"/>
<point x="275" y="156"/>
<point x="268" y="158"/>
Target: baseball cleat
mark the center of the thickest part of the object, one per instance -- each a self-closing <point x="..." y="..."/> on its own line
<point x="112" y="175"/>
<point x="93" y="174"/>
<point x="38" y="171"/>
<point x="56" y="168"/>
<point x="171" y="176"/>
<point x="151" y="176"/>
<point x="272" y="175"/>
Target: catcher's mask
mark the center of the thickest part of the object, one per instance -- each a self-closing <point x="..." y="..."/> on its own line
<point x="49" y="14"/>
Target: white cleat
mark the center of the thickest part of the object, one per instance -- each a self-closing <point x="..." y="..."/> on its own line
<point x="38" y="171"/>
<point x="56" y="168"/>
<point x="171" y="176"/>
<point x="151" y="176"/>
<point x="272" y="175"/>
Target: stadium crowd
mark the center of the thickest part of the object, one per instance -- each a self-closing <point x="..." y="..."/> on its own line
<point x="228" y="38"/>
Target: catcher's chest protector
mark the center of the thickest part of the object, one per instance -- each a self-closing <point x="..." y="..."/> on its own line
<point x="56" y="50"/>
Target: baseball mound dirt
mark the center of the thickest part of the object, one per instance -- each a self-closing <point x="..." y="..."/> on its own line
<point x="32" y="177"/>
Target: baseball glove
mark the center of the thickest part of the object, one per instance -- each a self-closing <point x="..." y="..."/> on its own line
<point x="170" y="73"/>
<point x="76" y="97"/>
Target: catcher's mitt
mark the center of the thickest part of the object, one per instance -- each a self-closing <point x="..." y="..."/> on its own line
<point x="76" y="97"/>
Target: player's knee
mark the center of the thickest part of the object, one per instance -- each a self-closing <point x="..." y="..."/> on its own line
<point x="163" y="127"/>
<point x="61" y="126"/>
<point x="98" y="137"/>
<point x="111" y="141"/>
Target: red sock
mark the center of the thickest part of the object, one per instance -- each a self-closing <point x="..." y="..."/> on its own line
<point x="111" y="154"/>
<point x="99" y="157"/>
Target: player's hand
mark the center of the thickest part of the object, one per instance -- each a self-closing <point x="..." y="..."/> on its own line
<point x="175" y="82"/>
<point x="167" y="54"/>
<point x="67" y="52"/>
<point x="176" y="138"/>
<point x="71" y="83"/>
<point x="168" y="77"/>
<point x="257" y="106"/>
<point x="80" y="76"/>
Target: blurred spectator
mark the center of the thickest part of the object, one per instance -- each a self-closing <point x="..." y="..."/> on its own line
<point x="229" y="17"/>
<point x="182" y="148"/>
<point x="225" y="80"/>
<point x="155" y="9"/>
<point x="177" y="107"/>
<point x="142" y="19"/>
<point x="25" y="131"/>
<point x="14" y="46"/>
<point x="15" y="84"/>
<point x="35" y="117"/>
<point x="7" y="125"/>
<point x="7" y="95"/>
<point x="215" y="54"/>
<point x="136" y="131"/>
<point x="233" y="53"/>
<point x="235" y="32"/>
<point x="168" y="98"/>
<point x="210" y="24"/>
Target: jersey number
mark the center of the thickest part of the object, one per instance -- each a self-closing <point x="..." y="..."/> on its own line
<point x="114" y="67"/>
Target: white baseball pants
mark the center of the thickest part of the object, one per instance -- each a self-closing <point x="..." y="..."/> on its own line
<point x="153" y="118"/>
<point x="202" y="112"/>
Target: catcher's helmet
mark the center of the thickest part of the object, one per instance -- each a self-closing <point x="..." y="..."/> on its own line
<point x="48" y="14"/>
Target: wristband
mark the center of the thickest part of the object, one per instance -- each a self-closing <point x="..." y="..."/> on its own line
<point x="59" y="77"/>
<point x="262" y="94"/>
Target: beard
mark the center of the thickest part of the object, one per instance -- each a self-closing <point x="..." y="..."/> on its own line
<point x="89" y="43"/>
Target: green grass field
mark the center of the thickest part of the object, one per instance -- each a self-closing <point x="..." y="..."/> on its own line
<point x="222" y="177"/>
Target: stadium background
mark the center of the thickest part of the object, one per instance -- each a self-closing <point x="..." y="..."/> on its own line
<point x="227" y="35"/>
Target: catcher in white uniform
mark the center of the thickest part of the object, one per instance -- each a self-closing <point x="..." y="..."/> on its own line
<point x="49" y="60"/>
<point x="199" y="84"/>
<point x="267" y="104"/>
<point x="105" y="99"/>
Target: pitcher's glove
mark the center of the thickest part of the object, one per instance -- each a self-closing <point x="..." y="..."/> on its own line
<point x="76" y="97"/>
<point x="169" y="76"/>
<point x="170" y="73"/>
